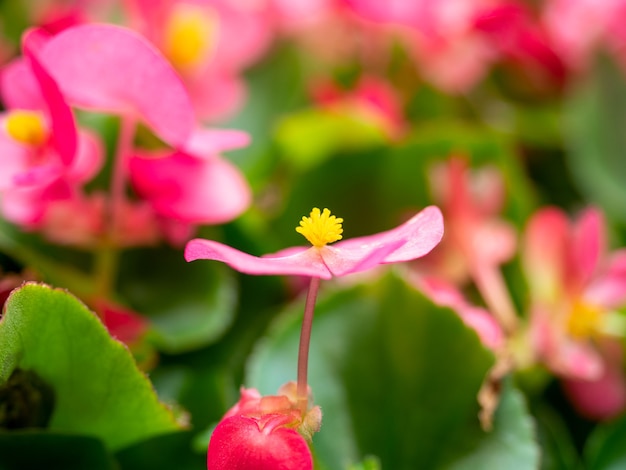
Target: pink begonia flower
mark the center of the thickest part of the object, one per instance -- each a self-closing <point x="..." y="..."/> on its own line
<point x="471" y="200"/>
<point x="575" y="286"/>
<point x="412" y="239"/>
<point x="264" y="433"/>
<point x="209" y="43"/>
<point x="44" y="157"/>
<point x="128" y="76"/>
<point x="477" y="318"/>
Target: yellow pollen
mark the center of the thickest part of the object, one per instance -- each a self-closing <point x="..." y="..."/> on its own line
<point x="27" y="127"/>
<point x="190" y="35"/>
<point x="584" y="320"/>
<point x="320" y="228"/>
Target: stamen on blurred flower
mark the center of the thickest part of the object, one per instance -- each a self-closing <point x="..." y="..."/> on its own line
<point x="584" y="321"/>
<point x="320" y="228"/>
<point x="190" y="35"/>
<point x="27" y="127"/>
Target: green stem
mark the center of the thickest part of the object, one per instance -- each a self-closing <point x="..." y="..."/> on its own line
<point x="305" y="340"/>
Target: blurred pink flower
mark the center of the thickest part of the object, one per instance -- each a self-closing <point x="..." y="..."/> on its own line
<point x="412" y="239"/>
<point x="209" y="42"/>
<point x="129" y="77"/>
<point x="575" y="286"/>
<point x="44" y="157"/>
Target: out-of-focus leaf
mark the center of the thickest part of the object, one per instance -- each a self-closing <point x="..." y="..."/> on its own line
<point x="40" y="449"/>
<point x="510" y="445"/>
<point x="396" y="376"/>
<point x="98" y="389"/>
<point x="606" y="447"/>
<point x="189" y="304"/>
<point x="595" y="119"/>
<point x="308" y="137"/>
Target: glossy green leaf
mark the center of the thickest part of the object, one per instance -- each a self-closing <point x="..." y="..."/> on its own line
<point x="396" y="376"/>
<point x="595" y="119"/>
<point x="98" y="389"/>
<point x="189" y="304"/>
<point x="510" y="445"/>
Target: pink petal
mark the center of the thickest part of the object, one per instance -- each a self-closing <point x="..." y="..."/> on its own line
<point x="189" y="189"/>
<point x="63" y="126"/>
<point x="588" y="244"/>
<point x="421" y="233"/>
<point x="243" y="443"/>
<point x="216" y="94"/>
<point x="88" y="160"/>
<point x="20" y="89"/>
<point x="609" y="289"/>
<point x="304" y="263"/>
<point x="14" y="159"/>
<point x="578" y="360"/>
<point x="114" y="69"/>
<point x="341" y="261"/>
<point x="544" y="253"/>
<point x="206" y="143"/>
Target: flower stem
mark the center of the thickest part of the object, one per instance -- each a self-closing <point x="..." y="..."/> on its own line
<point x="106" y="261"/>
<point x="305" y="340"/>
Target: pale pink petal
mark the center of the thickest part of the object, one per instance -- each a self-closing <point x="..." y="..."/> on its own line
<point x="14" y="159"/>
<point x="577" y="360"/>
<point x="588" y="244"/>
<point x="484" y="324"/>
<point x="20" y="89"/>
<point x="114" y="69"/>
<point x="421" y="234"/>
<point x="342" y="261"/>
<point x="605" y="396"/>
<point x="88" y="160"/>
<point x="609" y="289"/>
<point x="544" y="253"/>
<point x="206" y="143"/>
<point x="191" y="190"/>
<point x="216" y="94"/>
<point x="304" y="263"/>
<point x="495" y="242"/>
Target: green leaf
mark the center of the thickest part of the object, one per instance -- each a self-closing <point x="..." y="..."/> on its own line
<point x="189" y="304"/>
<point x="396" y="376"/>
<point x="97" y="387"/>
<point x="510" y="445"/>
<point x="41" y="449"/>
<point x="595" y="119"/>
<point x="606" y="447"/>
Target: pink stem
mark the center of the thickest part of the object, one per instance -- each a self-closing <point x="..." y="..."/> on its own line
<point x="492" y="287"/>
<point x="305" y="341"/>
<point x="118" y="182"/>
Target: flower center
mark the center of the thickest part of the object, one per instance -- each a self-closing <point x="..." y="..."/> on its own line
<point x="584" y="320"/>
<point x="320" y="228"/>
<point x="27" y="127"/>
<point x="190" y="35"/>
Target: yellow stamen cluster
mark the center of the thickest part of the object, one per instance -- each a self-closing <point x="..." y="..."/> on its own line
<point x="320" y="228"/>
<point x="584" y="320"/>
<point x="190" y="35"/>
<point x="27" y="127"/>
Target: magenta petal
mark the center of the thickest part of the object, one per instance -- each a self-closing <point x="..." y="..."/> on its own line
<point x="114" y="69"/>
<point x="304" y="263"/>
<point x="420" y="234"/>
<point x="244" y="443"/>
<point x="191" y="190"/>
<point x="64" y="135"/>
<point x="588" y="244"/>
<point x="88" y="160"/>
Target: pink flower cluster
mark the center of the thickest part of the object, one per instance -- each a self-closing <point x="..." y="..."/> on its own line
<point x="48" y="159"/>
